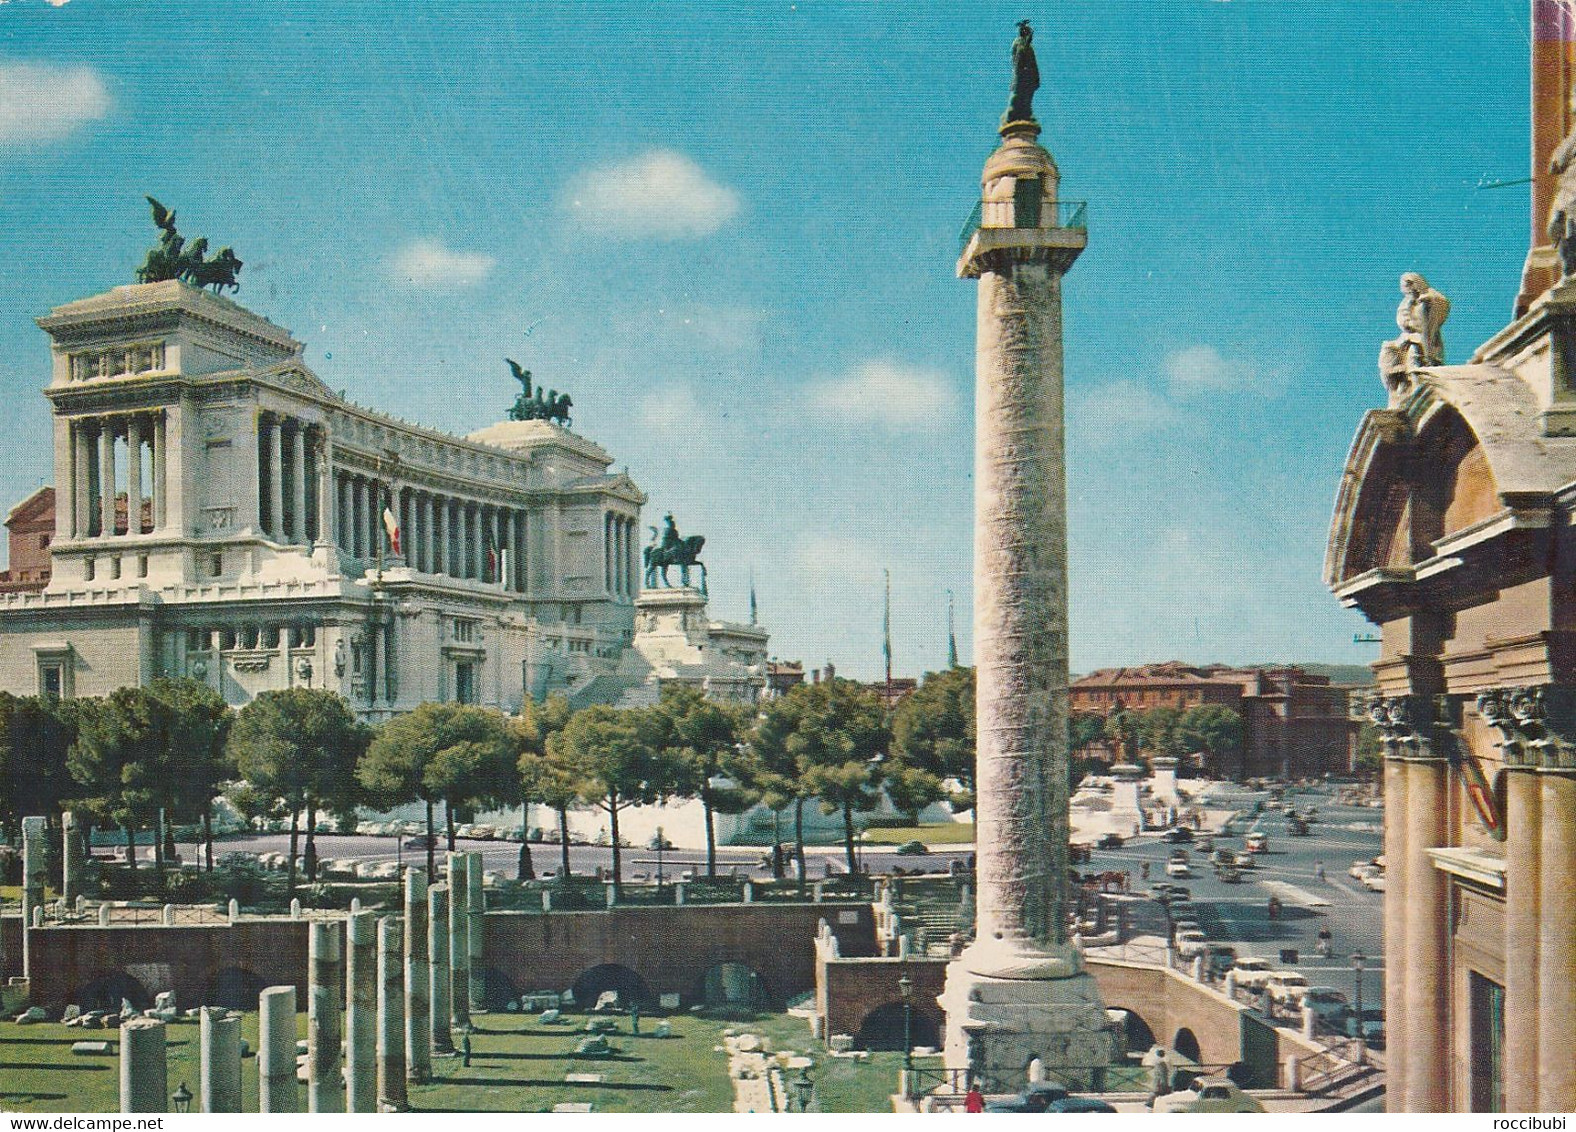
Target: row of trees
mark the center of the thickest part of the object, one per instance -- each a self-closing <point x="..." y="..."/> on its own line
<point x="1213" y="729"/>
<point x="158" y="756"/>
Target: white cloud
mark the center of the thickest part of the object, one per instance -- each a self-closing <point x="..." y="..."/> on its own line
<point x="1110" y="414"/>
<point x="675" y="410"/>
<point x="661" y="194"/>
<point x="427" y="263"/>
<point x="1203" y="369"/>
<point x="39" y="102"/>
<point x="838" y="556"/>
<point x="885" y="393"/>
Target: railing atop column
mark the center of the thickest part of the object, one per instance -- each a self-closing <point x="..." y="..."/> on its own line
<point x="1003" y="214"/>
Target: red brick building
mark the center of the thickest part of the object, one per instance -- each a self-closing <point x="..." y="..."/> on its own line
<point x="31" y="524"/>
<point x="1295" y="723"/>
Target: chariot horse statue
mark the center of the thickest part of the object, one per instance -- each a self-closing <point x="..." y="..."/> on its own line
<point x="669" y="549"/>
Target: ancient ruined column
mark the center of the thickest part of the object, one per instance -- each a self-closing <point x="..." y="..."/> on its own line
<point x="442" y="978"/>
<point x="361" y="1017"/>
<point x="418" y="979"/>
<point x="71" y="858"/>
<point x="1019" y="991"/>
<point x="391" y="1016"/>
<point x="325" y="998"/>
<point x="276" y="1046"/>
<point x="460" y="940"/>
<point x="33" y="880"/>
<point x="1557" y="944"/>
<point x="144" y="1084"/>
<point x="219" y="1038"/>
<point x="476" y="907"/>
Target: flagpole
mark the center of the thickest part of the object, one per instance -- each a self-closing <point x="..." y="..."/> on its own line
<point x="886" y="634"/>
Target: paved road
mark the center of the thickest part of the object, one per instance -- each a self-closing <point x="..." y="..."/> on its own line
<point x="1239" y="913"/>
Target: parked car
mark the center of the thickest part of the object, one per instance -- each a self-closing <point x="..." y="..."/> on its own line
<point x="1177" y="836"/>
<point x="1228" y="874"/>
<point x="1328" y="1004"/>
<point x="1286" y="987"/>
<point x="1109" y="841"/>
<point x="1168" y="893"/>
<point x="1218" y="959"/>
<point x="1178" y="869"/>
<point x="1048" y="1098"/>
<point x="1209" y="1094"/>
<point x="1372" y="1026"/>
<point x="422" y="841"/>
<point x="1185" y="926"/>
<point x="1252" y="972"/>
<point x="1374" y="882"/>
<point x="1257" y="843"/>
<point x="1190" y="943"/>
<point x="912" y="849"/>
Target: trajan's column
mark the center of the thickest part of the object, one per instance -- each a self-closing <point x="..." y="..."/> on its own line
<point x="1019" y="991"/>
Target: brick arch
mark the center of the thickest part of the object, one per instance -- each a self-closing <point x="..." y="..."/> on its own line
<point x="104" y="989"/>
<point x="629" y="983"/>
<point x="1185" y="1042"/>
<point x="1137" y="1032"/>
<point x="882" y="1028"/>
<point x="233" y="986"/>
<point x="720" y="985"/>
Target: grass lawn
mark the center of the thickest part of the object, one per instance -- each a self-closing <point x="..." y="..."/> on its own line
<point x="517" y="1065"/>
<point x="943" y="833"/>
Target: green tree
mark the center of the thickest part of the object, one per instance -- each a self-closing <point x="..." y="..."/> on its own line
<point x="774" y="771"/>
<point x="301" y="746"/>
<point x="933" y="741"/>
<point x="196" y="730"/>
<point x="1214" y="729"/>
<point x="1369" y="762"/>
<point x="837" y="734"/>
<point x="1157" y="731"/>
<point x="1084" y="729"/>
<point x="540" y="781"/>
<point x="458" y="754"/>
<point x="118" y="761"/>
<point x="704" y="739"/>
<point x="36" y="735"/>
<point x="616" y="757"/>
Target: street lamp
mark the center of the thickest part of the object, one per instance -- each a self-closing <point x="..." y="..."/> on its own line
<point x="182" y="1098"/>
<point x="660" y="843"/>
<point x="905" y="987"/>
<point x="803" y="1089"/>
<point x="1358" y="959"/>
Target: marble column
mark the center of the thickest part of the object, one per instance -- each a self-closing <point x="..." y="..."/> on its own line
<point x="71" y="858"/>
<point x="343" y="530"/>
<point x="358" y="518"/>
<point x="298" y="531"/>
<point x="144" y="1080"/>
<point x="476" y="907"/>
<point x="440" y="528"/>
<point x="391" y="1016"/>
<point x="80" y="454"/>
<point x="160" y="513"/>
<point x="441" y="980"/>
<point x="276" y="480"/>
<point x="219" y="1041"/>
<point x="1557" y="942"/>
<point x="361" y="1012"/>
<point x="1523" y="806"/>
<point x="460" y="940"/>
<point x="106" y="476"/>
<point x="134" y="475"/>
<point x="1019" y="992"/>
<point x="324" y="1088"/>
<point x="1427" y="939"/>
<point x="327" y="529"/>
<point x="34" y="877"/>
<point x="1396" y="835"/>
<point x="418" y="979"/>
<point x="276" y="1051"/>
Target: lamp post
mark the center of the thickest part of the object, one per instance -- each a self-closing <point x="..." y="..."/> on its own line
<point x="1358" y="959"/>
<point x="905" y="987"/>
<point x="182" y="1098"/>
<point x="661" y="842"/>
<point x="803" y="1089"/>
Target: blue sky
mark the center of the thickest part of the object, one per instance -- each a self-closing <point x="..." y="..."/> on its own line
<point x="729" y="230"/>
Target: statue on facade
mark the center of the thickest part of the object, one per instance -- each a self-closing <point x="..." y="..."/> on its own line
<point x="173" y="258"/>
<point x="545" y="405"/>
<point x="1421" y="318"/>
<point x="671" y="549"/>
<point x="1025" y="77"/>
<point x="1562" y="210"/>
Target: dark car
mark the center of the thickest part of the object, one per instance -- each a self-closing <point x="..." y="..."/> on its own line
<point x="1372" y="1027"/>
<point x="1178" y="836"/>
<point x="422" y="841"/>
<point x="1048" y="1098"/>
<point x="1110" y="841"/>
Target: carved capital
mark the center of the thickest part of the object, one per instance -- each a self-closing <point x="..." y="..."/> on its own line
<point x="1536" y="725"/>
<point x="1406" y="726"/>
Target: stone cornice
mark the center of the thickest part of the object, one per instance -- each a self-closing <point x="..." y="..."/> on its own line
<point x="996" y="249"/>
<point x="148" y="301"/>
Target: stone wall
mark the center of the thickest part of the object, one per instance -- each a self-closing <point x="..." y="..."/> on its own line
<point x="850" y="990"/>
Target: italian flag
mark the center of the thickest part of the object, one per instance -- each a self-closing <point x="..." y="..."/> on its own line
<point x="391" y="525"/>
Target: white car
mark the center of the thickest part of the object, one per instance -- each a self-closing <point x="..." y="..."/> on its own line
<point x="1209" y="1094"/>
<point x="1251" y="972"/>
<point x="1286" y="987"/>
<point x="1178" y="869"/>
<point x="1374" y="881"/>
<point x="1191" y="943"/>
<point x="1360" y="869"/>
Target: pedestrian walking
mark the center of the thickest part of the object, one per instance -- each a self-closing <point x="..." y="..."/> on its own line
<point x="974" y="1100"/>
<point x="1159" y="1074"/>
<point x="465" y="1050"/>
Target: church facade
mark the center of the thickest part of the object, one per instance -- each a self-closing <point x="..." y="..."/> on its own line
<point x="220" y="514"/>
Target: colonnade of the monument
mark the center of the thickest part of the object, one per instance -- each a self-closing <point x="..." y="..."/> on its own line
<point x="289" y="454"/>
<point x="618" y="555"/>
<point x="439" y="533"/>
<point x="92" y="499"/>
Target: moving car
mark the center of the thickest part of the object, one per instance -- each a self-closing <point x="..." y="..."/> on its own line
<point x="1252" y="972"/>
<point x="1190" y="943"/>
<point x="1218" y="959"/>
<point x="1328" y="1004"/>
<point x="1361" y="869"/>
<point x="1257" y="843"/>
<point x="1209" y="1094"/>
<point x="1286" y="987"/>
<point x="1178" y="869"/>
<point x="1228" y="874"/>
<point x="1109" y="841"/>
<point x="1046" y="1097"/>
<point x="1374" y="882"/>
<point x="1177" y="836"/>
<point x="1372" y="1026"/>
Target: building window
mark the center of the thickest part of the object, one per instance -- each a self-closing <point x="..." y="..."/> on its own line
<point x="464" y="631"/>
<point x="1488" y="1045"/>
<point x="51" y="680"/>
<point x="464" y="682"/>
<point x="142" y="565"/>
<point x="216" y="565"/>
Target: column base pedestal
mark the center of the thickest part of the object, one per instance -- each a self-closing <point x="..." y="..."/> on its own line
<point x="1011" y="1002"/>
